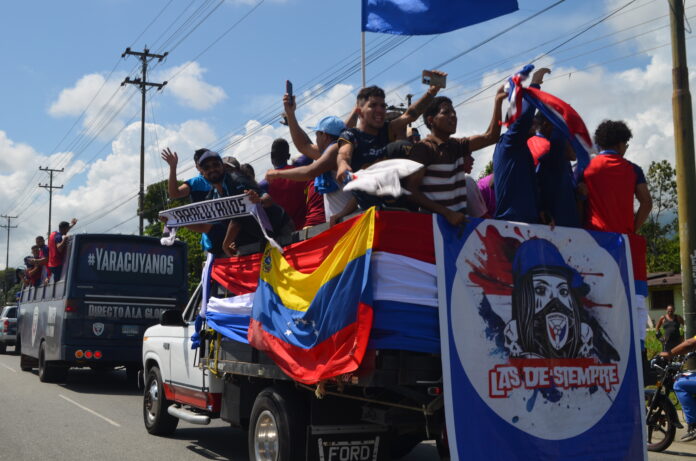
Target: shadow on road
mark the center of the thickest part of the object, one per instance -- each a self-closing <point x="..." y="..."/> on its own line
<point x="88" y="381"/>
<point x="215" y="443"/>
<point x="679" y="453"/>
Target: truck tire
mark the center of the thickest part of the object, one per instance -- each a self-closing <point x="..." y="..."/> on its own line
<point x="50" y="372"/>
<point x="26" y="363"/>
<point x="277" y="427"/>
<point x="157" y="420"/>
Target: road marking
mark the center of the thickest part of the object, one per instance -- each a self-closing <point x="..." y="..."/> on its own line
<point x="9" y="368"/>
<point x="88" y="410"/>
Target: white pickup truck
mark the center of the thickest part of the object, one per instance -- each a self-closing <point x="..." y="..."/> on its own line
<point x="381" y="411"/>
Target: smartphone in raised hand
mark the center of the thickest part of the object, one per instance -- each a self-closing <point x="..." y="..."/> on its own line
<point x="430" y="78"/>
<point x="288" y="88"/>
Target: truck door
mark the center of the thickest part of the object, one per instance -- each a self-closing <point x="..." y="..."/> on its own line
<point x="187" y="380"/>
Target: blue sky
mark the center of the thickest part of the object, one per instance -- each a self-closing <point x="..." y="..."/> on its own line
<point x="58" y="54"/>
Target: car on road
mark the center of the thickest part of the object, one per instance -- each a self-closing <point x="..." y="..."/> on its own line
<point x="8" y="327"/>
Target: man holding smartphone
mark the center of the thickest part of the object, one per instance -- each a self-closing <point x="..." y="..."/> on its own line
<point x="321" y="172"/>
<point x="367" y="144"/>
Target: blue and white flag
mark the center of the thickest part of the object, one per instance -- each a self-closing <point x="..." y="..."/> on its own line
<point x="539" y="345"/>
<point x="424" y="17"/>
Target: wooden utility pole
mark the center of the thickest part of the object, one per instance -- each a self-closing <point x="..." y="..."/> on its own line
<point x="686" y="169"/>
<point x="9" y="227"/>
<point x="144" y="57"/>
<point x="50" y="188"/>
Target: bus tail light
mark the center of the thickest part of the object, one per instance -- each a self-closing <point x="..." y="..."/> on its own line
<point x="88" y="354"/>
<point x="71" y="305"/>
<point x="79" y="354"/>
<point x="97" y="355"/>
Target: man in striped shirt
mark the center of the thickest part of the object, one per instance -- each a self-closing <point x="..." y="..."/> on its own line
<point x="444" y="186"/>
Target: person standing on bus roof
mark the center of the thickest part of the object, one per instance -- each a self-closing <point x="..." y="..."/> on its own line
<point x="32" y="276"/>
<point x="56" y="248"/>
<point x="43" y="248"/>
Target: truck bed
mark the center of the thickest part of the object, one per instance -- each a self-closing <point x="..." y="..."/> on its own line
<point x="379" y="368"/>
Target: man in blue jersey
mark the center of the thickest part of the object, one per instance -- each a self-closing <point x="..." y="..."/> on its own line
<point x="516" y="191"/>
<point x="197" y="187"/>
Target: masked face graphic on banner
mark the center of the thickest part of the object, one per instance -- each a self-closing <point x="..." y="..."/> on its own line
<point x="555" y="326"/>
<point x="546" y="320"/>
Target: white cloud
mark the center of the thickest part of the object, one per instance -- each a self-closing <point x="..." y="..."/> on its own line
<point x="185" y="83"/>
<point x="100" y="100"/>
<point x="106" y="182"/>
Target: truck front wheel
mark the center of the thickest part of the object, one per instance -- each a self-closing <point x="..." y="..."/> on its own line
<point x="277" y="427"/>
<point x="157" y="420"/>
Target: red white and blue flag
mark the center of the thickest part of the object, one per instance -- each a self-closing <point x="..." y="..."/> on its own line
<point x="558" y="112"/>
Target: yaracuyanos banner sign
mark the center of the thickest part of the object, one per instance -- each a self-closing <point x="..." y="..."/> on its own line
<point x="540" y="353"/>
<point x="216" y="210"/>
<point x="209" y="211"/>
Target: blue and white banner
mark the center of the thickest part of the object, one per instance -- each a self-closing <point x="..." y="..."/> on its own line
<point x="539" y="346"/>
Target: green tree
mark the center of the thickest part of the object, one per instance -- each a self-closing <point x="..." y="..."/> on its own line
<point x="10" y="285"/>
<point x="488" y="169"/>
<point x="155" y="201"/>
<point x="661" y="228"/>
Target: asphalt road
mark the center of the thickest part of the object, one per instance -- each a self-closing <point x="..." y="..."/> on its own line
<point x="96" y="416"/>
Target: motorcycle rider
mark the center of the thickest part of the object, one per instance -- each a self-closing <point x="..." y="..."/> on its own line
<point x="685" y="386"/>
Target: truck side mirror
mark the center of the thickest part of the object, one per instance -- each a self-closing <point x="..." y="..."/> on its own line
<point x="172" y="318"/>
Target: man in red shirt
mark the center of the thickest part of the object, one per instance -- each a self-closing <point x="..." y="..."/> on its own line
<point x="612" y="183"/>
<point x="56" y="248"/>
<point x="287" y="193"/>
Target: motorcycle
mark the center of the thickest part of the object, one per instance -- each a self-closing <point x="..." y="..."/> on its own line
<point x="661" y="414"/>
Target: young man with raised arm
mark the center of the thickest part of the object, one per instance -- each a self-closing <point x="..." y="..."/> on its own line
<point x="444" y="185"/>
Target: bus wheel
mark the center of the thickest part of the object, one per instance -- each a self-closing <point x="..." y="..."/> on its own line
<point x="48" y="372"/>
<point x="26" y="363"/>
<point x="157" y="420"/>
<point x="277" y="427"/>
<point x="3" y="348"/>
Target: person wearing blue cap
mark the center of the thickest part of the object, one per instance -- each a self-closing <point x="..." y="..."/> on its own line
<point x="547" y="321"/>
<point x="319" y="175"/>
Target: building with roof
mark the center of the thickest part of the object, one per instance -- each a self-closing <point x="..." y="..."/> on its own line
<point x="664" y="289"/>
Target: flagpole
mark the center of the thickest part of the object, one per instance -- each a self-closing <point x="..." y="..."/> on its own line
<point x="363" y="58"/>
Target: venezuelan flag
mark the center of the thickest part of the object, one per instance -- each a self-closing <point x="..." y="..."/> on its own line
<point x="316" y="324"/>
